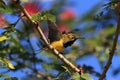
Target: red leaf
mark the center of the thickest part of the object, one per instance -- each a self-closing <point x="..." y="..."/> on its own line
<point x="32" y="8"/>
<point x="63" y="28"/>
<point x="3" y="22"/>
<point x="66" y="15"/>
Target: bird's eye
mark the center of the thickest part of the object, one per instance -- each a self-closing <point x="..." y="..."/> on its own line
<point x="72" y="37"/>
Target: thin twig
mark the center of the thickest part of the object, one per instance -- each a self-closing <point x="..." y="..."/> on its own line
<point x="43" y="75"/>
<point x="55" y="52"/>
<point x="111" y="53"/>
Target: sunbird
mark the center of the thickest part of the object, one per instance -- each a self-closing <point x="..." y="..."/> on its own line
<point x="59" y="40"/>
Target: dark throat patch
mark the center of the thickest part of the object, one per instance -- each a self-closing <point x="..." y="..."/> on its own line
<point x="68" y="43"/>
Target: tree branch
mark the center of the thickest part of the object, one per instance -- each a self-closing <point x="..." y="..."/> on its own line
<point x="111" y="53"/>
<point x="43" y="75"/>
<point x="55" y="52"/>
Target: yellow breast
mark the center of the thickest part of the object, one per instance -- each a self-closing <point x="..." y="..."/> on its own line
<point x="58" y="45"/>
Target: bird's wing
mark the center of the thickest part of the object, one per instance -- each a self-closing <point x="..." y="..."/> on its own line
<point x="54" y="33"/>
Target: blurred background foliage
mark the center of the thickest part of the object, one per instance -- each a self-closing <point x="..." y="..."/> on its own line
<point x="21" y="44"/>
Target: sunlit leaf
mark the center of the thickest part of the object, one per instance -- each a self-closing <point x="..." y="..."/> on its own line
<point x="66" y="68"/>
<point x="3" y="38"/>
<point x="4" y="75"/>
<point x="76" y="76"/>
<point x="84" y="76"/>
<point x="7" y="62"/>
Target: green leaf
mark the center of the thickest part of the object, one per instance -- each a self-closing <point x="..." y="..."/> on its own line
<point x="4" y="75"/>
<point x="76" y="76"/>
<point x="7" y="9"/>
<point x="51" y="17"/>
<point x="63" y="76"/>
<point x="84" y="76"/>
<point x="6" y="35"/>
<point x="66" y="68"/>
<point x="7" y="62"/>
<point x="36" y="17"/>
<point x="11" y="78"/>
<point x="109" y="31"/>
<point x="44" y="16"/>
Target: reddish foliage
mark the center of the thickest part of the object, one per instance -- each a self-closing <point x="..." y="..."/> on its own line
<point x="66" y="15"/>
<point x="32" y="8"/>
<point x="3" y="22"/>
<point x="63" y="28"/>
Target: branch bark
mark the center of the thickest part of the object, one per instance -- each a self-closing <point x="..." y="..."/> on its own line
<point x="55" y="52"/>
<point x="111" y="53"/>
<point x="42" y="75"/>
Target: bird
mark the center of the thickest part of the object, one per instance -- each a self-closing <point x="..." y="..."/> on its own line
<point x="60" y="40"/>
